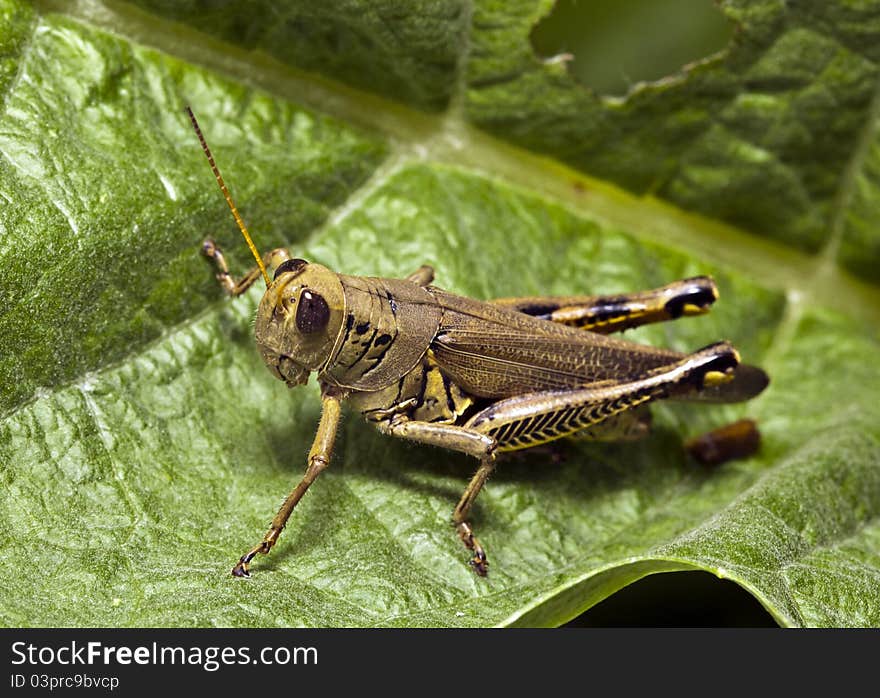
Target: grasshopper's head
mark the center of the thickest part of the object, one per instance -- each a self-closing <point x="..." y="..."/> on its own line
<point x="299" y="319"/>
<point x="301" y="313"/>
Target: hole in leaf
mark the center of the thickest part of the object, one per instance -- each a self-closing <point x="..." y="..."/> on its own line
<point x="616" y="44"/>
<point x="677" y="600"/>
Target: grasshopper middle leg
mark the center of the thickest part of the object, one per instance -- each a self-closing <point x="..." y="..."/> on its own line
<point x="423" y="276"/>
<point x="466" y="441"/>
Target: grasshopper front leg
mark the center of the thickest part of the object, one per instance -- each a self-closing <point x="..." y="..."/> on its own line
<point x="319" y="459"/>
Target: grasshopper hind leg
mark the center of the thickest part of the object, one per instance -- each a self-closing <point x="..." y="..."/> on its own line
<point x="606" y="314"/>
<point x="603" y="411"/>
<point x="632" y="425"/>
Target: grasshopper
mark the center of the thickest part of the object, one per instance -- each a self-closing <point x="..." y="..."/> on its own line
<point x="481" y="378"/>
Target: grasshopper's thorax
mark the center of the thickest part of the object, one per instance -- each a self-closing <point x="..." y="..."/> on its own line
<point x="299" y="320"/>
<point x="425" y="394"/>
<point x="388" y="326"/>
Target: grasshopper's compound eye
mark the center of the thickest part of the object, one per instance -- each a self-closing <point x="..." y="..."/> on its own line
<point x="313" y="313"/>
<point x="289" y="265"/>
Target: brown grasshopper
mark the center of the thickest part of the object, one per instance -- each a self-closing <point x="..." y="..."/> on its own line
<point x="478" y="377"/>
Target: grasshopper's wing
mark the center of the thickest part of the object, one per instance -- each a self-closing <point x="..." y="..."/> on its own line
<point x="495" y="352"/>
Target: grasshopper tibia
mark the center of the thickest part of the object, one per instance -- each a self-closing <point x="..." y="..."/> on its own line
<point x="478" y="561"/>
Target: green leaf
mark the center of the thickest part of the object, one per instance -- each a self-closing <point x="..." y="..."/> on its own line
<point x="759" y="135"/>
<point x="144" y="447"/>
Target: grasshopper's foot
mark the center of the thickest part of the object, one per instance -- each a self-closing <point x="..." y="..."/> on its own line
<point x="478" y="560"/>
<point x="212" y="252"/>
<point x="242" y="567"/>
<point x="209" y="248"/>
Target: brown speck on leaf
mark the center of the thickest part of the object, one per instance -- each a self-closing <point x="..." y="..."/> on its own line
<point x="740" y="439"/>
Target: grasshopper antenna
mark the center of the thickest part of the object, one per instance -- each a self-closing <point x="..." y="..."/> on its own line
<point x="235" y="214"/>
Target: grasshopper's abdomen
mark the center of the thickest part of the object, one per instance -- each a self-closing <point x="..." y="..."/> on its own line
<point x="389" y="325"/>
